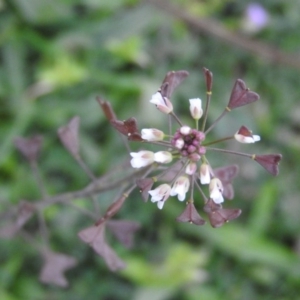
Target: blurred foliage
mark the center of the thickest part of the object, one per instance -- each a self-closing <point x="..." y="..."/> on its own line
<point x="56" y="56"/>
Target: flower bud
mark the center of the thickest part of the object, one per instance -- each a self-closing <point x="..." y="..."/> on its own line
<point x="244" y="135"/>
<point x="141" y="159"/>
<point x="196" y="108"/>
<point x="216" y="190"/>
<point x="162" y="103"/>
<point x="152" y="134"/>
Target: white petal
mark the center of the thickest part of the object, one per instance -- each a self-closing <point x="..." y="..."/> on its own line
<point x="246" y="139"/>
<point x="152" y="134"/>
<point x="141" y="159"/>
<point x="163" y="157"/>
<point x="161" y="193"/>
<point x="181" y="197"/>
<point x="196" y="108"/>
<point x="154" y="196"/>
<point x="217" y="196"/>
<point x="180" y="187"/>
<point x="205" y="174"/>
<point x="185" y="130"/>
<point x="216" y="190"/>
<point x="218" y="199"/>
<point x="160" y="204"/>
<point x="191" y="168"/>
<point x="256" y="138"/>
<point x="163" y="104"/>
<point x="179" y="143"/>
<point x="157" y="99"/>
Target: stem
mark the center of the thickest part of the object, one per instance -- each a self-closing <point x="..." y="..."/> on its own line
<point x="91" y="189"/>
<point x="30" y="240"/>
<point x="44" y="232"/>
<point x="85" y="168"/>
<point x="217" y="120"/>
<point x="205" y="114"/>
<point x="176" y="118"/>
<point x="170" y="126"/>
<point x="197" y="124"/>
<point x="201" y="191"/>
<point x="192" y="186"/>
<point x="230" y="152"/>
<point x="38" y="178"/>
<point x="218" y="141"/>
<point x="161" y="143"/>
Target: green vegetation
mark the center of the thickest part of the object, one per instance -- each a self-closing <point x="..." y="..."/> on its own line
<point x="57" y="56"/>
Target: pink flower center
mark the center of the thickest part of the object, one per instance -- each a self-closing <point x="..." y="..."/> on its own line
<point x="191" y="144"/>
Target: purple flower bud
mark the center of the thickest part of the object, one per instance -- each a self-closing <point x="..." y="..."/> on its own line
<point x="208" y="79"/>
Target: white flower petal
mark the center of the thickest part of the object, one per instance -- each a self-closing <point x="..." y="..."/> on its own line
<point x="180" y="187"/>
<point x="256" y="138"/>
<point x="216" y="190"/>
<point x="141" y="159"/>
<point x="244" y="135"/>
<point x="179" y="143"/>
<point x="196" y="108"/>
<point x="160" y="204"/>
<point x="185" y="130"/>
<point x="191" y="168"/>
<point x="205" y="174"/>
<point x="162" y="103"/>
<point x="160" y="194"/>
<point x="157" y="99"/>
<point x="152" y="134"/>
<point x="217" y="197"/>
<point x="163" y="157"/>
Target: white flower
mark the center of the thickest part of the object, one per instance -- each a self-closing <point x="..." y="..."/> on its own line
<point x="216" y="190"/>
<point x="162" y="103"/>
<point x="160" y="194"/>
<point x="247" y="139"/>
<point x="244" y="135"/>
<point x="196" y="108"/>
<point x="179" y="143"/>
<point x="180" y="187"/>
<point x="205" y="174"/>
<point x="152" y="134"/>
<point x="185" y="130"/>
<point x="141" y="159"/>
<point x="163" y="157"/>
<point x="191" y="168"/>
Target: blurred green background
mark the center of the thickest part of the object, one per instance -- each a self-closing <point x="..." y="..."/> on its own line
<point x="57" y="56"/>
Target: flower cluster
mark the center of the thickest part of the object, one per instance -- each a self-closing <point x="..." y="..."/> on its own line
<point x="184" y="162"/>
<point x="180" y="167"/>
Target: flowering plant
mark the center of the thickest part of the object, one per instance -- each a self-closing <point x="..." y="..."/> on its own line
<point x="183" y="166"/>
